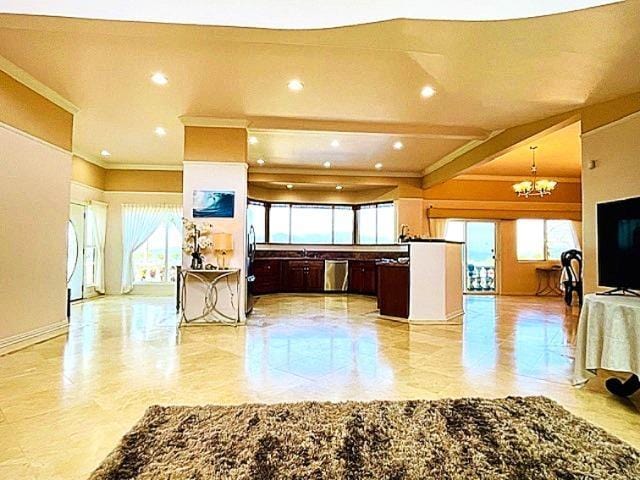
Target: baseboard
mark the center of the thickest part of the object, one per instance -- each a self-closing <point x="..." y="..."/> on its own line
<point x="22" y="340"/>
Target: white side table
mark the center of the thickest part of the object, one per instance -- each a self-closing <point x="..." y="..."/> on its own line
<point x="210" y="281"/>
<point x="609" y="338"/>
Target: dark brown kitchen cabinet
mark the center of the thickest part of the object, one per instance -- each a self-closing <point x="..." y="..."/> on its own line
<point x="303" y="276"/>
<point x="393" y="290"/>
<point x="362" y="277"/>
<point x="268" y="276"/>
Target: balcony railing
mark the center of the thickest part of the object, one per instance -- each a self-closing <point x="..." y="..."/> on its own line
<point x="481" y="278"/>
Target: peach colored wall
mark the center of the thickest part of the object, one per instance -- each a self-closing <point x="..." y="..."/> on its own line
<point x="30" y="112"/>
<point x="160" y="181"/>
<point x="87" y="173"/>
<point x="34" y="210"/>
<point x="210" y="144"/>
<point x="616" y="150"/>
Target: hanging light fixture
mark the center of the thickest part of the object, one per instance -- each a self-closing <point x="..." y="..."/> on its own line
<point x="534" y="187"/>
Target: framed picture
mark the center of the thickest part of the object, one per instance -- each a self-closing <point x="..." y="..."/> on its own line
<point x="209" y="204"/>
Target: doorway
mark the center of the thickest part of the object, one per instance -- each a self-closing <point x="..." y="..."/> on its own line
<point x="479" y="253"/>
<point x="75" y="251"/>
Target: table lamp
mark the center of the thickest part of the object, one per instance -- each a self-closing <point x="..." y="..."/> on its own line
<point x="222" y="244"/>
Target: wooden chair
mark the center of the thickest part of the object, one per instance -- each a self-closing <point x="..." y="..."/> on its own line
<point x="571" y="261"/>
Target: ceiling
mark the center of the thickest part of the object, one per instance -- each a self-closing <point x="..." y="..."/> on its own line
<point x="488" y="76"/>
<point x="295" y="149"/>
<point x="558" y="154"/>
<point x="297" y="15"/>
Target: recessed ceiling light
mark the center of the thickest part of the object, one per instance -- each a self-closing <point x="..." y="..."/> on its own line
<point x="253" y="140"/>
<point x="295" y="85"/>
<point x="159" y="78"/>
<point x="326" y="164"/>
<point x="398" y="145"/>
<point x="105" y="153"/>
<point x="378" y="166"/>
<point x="335" y="143"/>
<point x="289" y="186"/>
<point x="427" y="91"/>
<point x="338" y="187"/>
<point x="160" y="131"/>
<point x="260" y="161"/>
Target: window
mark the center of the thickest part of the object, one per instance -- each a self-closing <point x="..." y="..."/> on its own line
<point x="539" y="240"/>
<point x="256" y="217"/>
<point x="89" y="253"/>
<point x="376" y="224"/>
<point x="279" y="223"/>
<point x="155" y="261"/>
<point x="343" y="225"/>
<point x="322" y="224"/>
<point x="311" y="224"/>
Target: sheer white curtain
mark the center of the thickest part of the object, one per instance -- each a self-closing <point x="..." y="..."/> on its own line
<point x="437" y="227"/>
<point x="174" y="213"/>
<point x="138" y="223"/>
<point x="576" y="230"/>
<point x="97" y="214"/>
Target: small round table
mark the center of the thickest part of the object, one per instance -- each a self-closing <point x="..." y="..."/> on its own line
<point x="548" y="281"/>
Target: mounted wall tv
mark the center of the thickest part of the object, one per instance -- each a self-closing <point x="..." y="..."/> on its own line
<point x="619" y="245"/>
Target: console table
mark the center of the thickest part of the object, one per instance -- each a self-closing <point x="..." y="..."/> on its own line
<point x="206" y="284"/>
<point x="609" y="338"/>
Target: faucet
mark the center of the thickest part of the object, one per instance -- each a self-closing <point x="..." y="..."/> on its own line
<point x="403" y="235"/>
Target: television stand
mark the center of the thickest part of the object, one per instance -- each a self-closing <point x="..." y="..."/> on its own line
<point x="620" y="291"/>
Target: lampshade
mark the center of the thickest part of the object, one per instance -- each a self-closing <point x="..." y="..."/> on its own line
<point x="223" y="241"/>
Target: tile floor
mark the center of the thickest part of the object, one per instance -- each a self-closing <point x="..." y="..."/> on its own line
<point x="65" y="403"/>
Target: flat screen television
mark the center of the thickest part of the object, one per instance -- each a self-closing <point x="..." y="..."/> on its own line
<point x="619" y="244"/>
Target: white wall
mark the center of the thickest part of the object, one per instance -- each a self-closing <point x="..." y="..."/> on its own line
<point x="113" y="244"/>
<point x="221" y="177"/>
<point x="616" y="150"/>
<point x="34" y="210"/>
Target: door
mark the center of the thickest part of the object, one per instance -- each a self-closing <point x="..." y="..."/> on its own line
<point x="479" y="253"/>
<point x="75" y="251"/>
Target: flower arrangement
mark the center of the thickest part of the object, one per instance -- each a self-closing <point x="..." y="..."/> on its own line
<point x="196" y="241"/>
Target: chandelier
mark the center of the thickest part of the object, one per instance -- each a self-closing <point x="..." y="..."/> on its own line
<point x="534" y="187"/>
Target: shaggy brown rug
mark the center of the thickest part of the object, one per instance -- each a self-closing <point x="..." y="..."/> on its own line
<point x="511" y="438"/>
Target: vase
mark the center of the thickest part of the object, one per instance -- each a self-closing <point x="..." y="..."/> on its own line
<point x="196" y="261"/>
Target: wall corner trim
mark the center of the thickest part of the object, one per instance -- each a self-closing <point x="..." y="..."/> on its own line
<point x="18" y="74"/>
<point x="22" y="340"/>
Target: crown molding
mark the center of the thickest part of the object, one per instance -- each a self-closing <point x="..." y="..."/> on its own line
<point x="450" y="157"/>
<point x="332" y="172"/>
<point x="512" y="178"/>
<point x="37" y="86"/>
<point x="143" y="166"/>
<point x="214" y="122"/>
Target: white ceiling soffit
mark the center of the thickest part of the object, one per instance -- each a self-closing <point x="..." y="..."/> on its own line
<point x="293" y="14"/>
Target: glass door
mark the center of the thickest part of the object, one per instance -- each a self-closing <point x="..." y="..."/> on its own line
<point x="75" y="251"/>
<point x="479" y="253"/>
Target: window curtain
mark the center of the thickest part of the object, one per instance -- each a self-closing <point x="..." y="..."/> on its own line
<point x="174" y="213"/>
<point x="97" y="214"/>
<point x="576" y="230"/>
<point x="138" y="223"/>
<point x="437" y="227"/>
